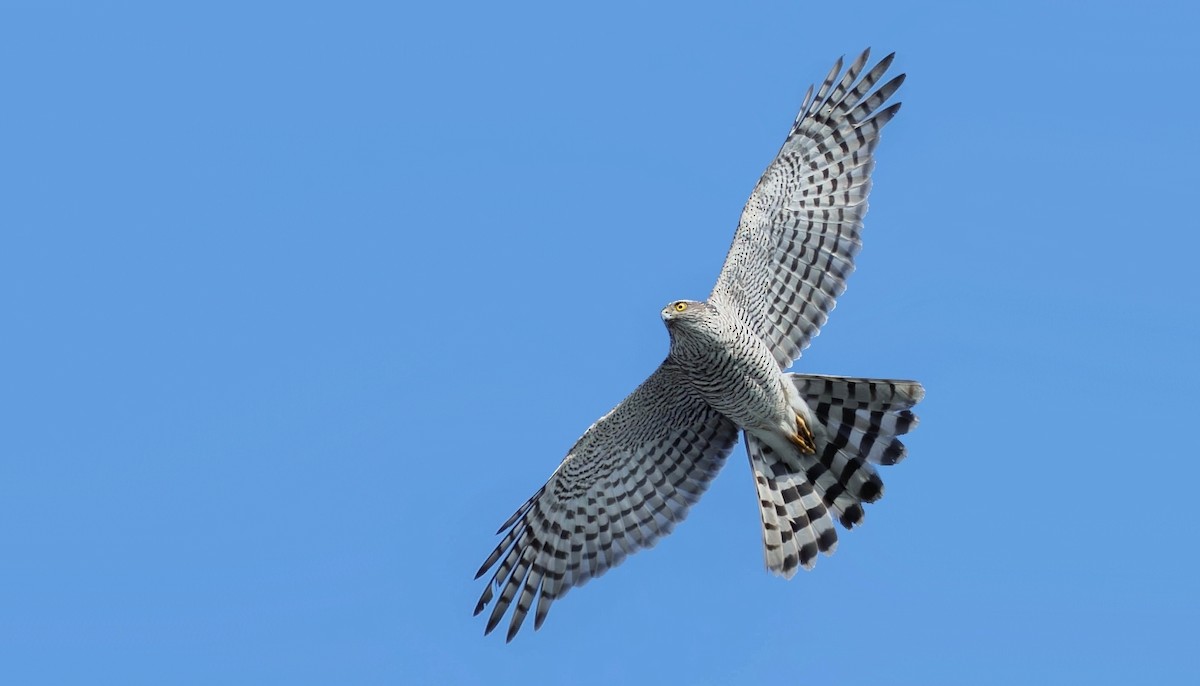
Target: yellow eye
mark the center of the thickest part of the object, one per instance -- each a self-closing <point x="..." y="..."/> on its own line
<point x="680" y="306"/>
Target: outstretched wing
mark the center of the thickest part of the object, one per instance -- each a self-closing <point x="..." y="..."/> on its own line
<point x="627" y="481"/>
<point x="799" y="233"/>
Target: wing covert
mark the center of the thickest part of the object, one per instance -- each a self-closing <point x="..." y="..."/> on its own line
<point x="799" y="232"/>
<point x="626" y="482"/>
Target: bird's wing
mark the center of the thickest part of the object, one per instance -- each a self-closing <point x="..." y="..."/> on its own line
<point x="627" y="481"/>
<point x="798" y="235"/>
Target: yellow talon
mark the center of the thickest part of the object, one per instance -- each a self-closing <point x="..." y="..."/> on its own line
<point x="803" y="438"/>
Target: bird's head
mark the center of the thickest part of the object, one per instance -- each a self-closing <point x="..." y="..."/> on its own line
<point x="692" y="325"/>
<point x="688" y="314"/>
<point x="681" y="310"/>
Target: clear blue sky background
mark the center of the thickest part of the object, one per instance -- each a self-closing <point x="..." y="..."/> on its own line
<point x="300" y="302"/>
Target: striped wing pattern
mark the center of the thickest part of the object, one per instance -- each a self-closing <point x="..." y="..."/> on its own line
<point x="799" y="232"/>
<point x="625" y="483"/>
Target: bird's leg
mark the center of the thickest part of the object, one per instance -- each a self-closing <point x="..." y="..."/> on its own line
<point x="803" y="438"/>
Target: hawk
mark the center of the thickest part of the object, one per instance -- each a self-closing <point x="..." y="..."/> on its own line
<point x="813" y="441"/>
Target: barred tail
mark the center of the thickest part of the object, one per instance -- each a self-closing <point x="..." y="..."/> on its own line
<point x="855" y="423"/>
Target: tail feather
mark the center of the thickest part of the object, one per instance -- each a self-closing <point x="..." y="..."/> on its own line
<point x="855" y="424"/>
<point x="796" y="521"/>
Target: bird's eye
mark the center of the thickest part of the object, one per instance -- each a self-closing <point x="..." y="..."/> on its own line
<point x="680" y="306"/>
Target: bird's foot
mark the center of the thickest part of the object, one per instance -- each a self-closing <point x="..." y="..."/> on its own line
<point x="803" y="438"/>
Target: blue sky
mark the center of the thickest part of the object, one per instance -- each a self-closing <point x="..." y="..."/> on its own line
<point x="302" y="301"/>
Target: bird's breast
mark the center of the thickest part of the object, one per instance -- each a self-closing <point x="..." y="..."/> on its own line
<point x="737" y="375"/>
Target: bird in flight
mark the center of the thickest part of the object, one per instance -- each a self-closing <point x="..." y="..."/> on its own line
<point x="812" y="440"/>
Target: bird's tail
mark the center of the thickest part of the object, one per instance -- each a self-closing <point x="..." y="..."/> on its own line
<point x="854" y="423"/>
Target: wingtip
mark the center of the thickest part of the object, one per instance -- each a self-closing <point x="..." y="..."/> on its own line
<point x="885" y="63"/>
<point x="886" y="114"/>
<point x="493" y="622"/>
